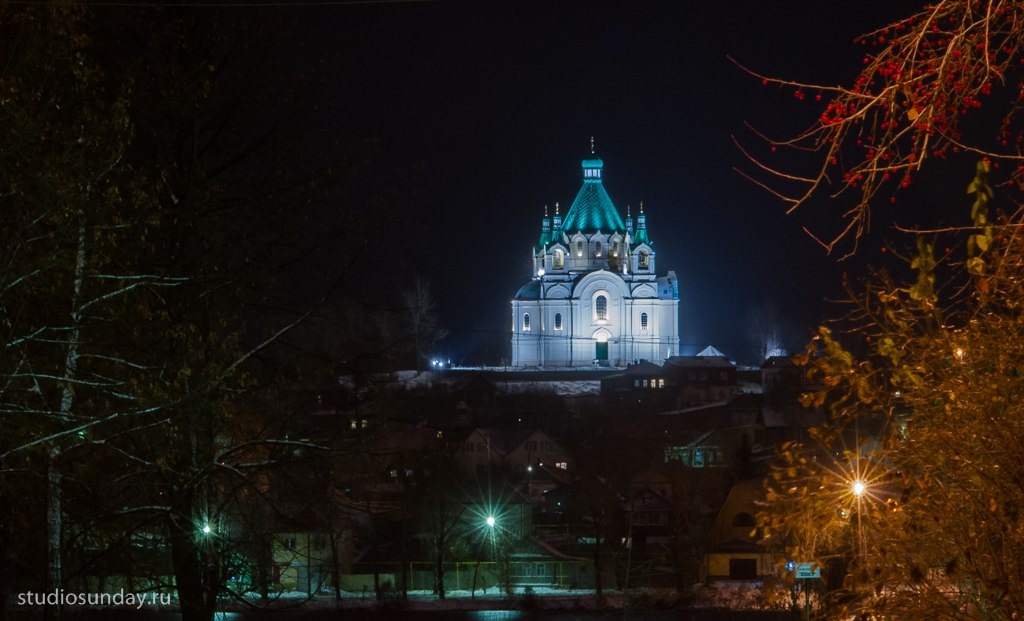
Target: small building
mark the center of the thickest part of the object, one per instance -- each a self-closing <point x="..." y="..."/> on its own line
<point x="515" y="450"/>
<point x="642" y="383"/>
<point x="736" y="553"/>
<point x="715" y="434"/>
<point x="702" y="378"/>
<point x="307" y="560"/>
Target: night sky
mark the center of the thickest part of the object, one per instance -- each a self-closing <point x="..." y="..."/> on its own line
<point x="485" y="110"/>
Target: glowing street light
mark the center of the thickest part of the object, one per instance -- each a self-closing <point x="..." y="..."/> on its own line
<point x="490" y="521"/>
<point x="858" y="488"/>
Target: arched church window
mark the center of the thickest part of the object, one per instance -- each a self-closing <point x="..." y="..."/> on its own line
<point x="558" y="321"/>
<point x="643" y="259"/>
<point x="598" y="249"/>
<point x="579" y="248"/>
<point x="643" y="321"/>
<point x="558" y="262"/>
<point x="615" y="248"/>
<point x="526" y="322"/>
<point x="601" y="308"/>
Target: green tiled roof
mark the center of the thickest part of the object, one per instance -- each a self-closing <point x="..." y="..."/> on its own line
<point x="640" y="237"/>
<point x="593" y="209"/>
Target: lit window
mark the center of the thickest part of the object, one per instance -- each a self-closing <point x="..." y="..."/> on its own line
<point x="643" y="321"/>
<point x="601" y="308"/>
<point x="558" y="321"/>
<point x="644" y="259"/>
<point x="559" y="260"/>
<point x="661" y="382"/>
<point x="579" y="248"/>
<point x="526" y="322"/>
<point x="562" y="465"/>
<point x="615" y="249"/>
<point x="598" y="249"/>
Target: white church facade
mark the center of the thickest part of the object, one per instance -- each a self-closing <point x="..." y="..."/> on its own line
<point x="594" y="297"/>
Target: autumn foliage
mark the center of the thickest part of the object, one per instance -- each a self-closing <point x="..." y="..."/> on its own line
<point x="922" y="379"/>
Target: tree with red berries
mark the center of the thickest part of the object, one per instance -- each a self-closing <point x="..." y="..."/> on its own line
<point x="948" y="79"/>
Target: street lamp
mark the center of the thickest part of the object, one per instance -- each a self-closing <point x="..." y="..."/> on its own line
<point x="859" y="489"/>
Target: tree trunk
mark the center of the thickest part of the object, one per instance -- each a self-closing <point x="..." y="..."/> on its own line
<point x="197" y="600"/>
<point x="54" y="477"/>
<point x="54" y="528"/>
<point x="439" y="567"/>
<point x="336" y="567"/>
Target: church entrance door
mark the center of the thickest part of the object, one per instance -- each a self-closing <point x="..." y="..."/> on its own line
<point x="601" y="353"/>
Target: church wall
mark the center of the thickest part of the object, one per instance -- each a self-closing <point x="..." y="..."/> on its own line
<point x="575" y="343"/>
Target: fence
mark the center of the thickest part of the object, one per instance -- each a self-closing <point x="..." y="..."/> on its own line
<point x="471" y="575"/>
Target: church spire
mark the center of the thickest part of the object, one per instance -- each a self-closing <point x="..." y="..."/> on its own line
<point x="641" y="227"/>
<point x="545" y="230"/>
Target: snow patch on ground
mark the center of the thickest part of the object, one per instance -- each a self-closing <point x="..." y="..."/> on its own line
<point x="728" y="595"/>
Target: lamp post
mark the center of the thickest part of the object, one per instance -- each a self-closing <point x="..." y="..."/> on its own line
<point x="491" y="522"/>
<point x="859" y="489"/>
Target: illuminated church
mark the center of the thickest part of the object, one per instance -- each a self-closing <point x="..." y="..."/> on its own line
<point x="594" y="297"/>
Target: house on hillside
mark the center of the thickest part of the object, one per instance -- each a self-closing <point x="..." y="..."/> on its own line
<point x="702" y="378"/>
<point x="713" y="435"/>
<point x="515" y="450"/>
<point x="641" y="384"/>
<point x="735" y="553"/>
<point x="313" y="546"/>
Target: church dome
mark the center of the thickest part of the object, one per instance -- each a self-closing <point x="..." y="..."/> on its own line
<point x="593" y="209"/>
<point x="529" y="291"/>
